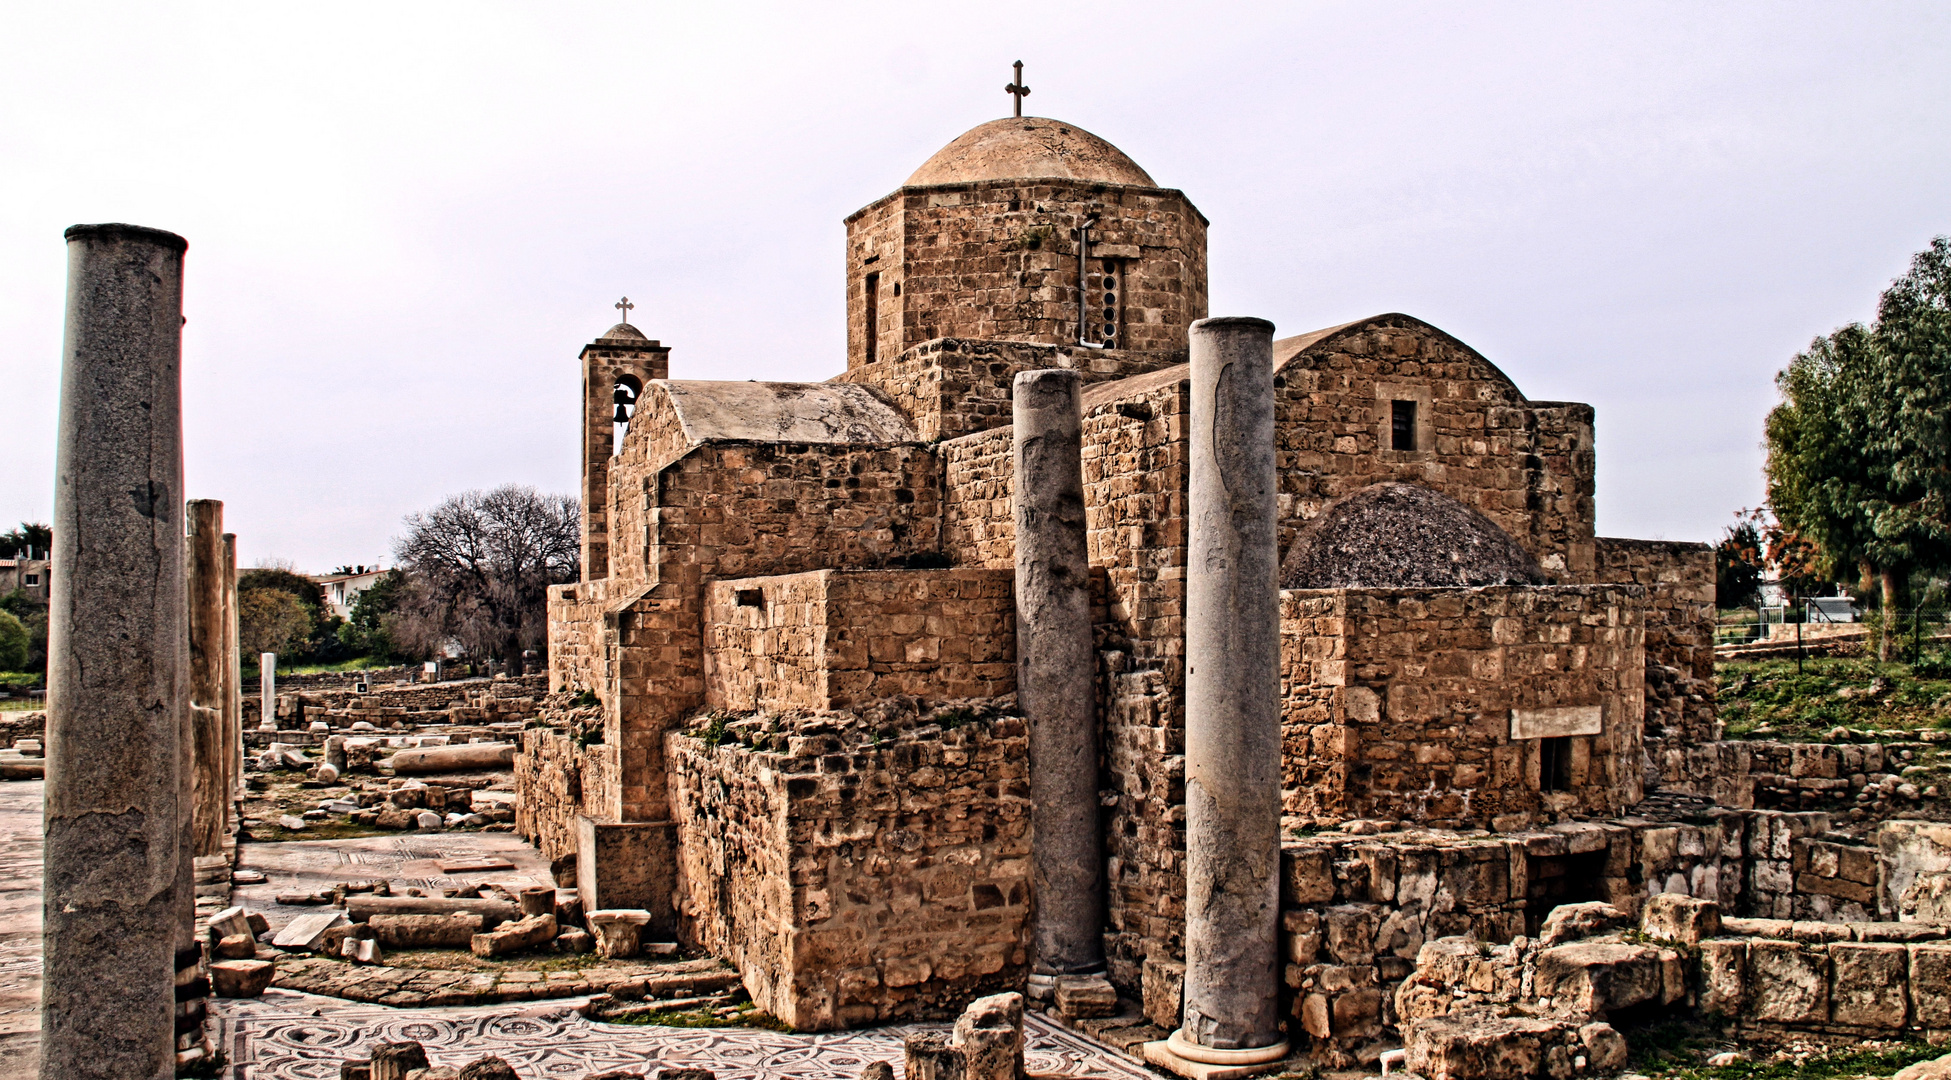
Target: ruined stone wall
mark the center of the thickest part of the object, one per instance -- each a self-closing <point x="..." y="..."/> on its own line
<point x="577" y="658"/>
<point x="1681" y="719"/>
<point x="1526" y="465"/>
<point x="558" y="779"/>
<point x="997" y="260"/>
<point x="858" y="869"/>
<point x="832" y="639"/>
<point x="1408" y="703"/>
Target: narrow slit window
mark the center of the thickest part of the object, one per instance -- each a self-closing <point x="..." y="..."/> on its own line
<point x="1402" y="425"/>
<point x="872" y="321"/>
<point x="750" y="597"/>
<point x="1555" y="764"/>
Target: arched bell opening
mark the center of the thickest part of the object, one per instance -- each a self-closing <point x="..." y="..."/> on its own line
<point x="628" y="389"/>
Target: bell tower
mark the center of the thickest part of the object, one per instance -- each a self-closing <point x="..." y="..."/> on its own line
<point x="615" y="368"/>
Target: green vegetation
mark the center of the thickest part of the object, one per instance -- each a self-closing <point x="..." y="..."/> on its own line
<point x="1772" y="698"/>
<point x="1859" y="464"/>
<point x="747" y="1015"/>
<point x="1680" y="1049"/>
<point x="33" y="616"/>
<point x="14" y="641"/>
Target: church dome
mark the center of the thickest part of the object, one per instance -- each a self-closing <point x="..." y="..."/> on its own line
<point x="625" y="331"/>
<point x="1029" y="147"/>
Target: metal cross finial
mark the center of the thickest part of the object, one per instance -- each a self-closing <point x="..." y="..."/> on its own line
<point x="1017" y="89"/>
<point x="624" y="305"/>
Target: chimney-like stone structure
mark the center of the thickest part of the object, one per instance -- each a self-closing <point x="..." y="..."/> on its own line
<point x="118" y="678"/>
<point x="1056" y="672"/>
<point x="1232" y="759"/>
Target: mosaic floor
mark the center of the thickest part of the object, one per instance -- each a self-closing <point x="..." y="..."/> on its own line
<point x="285" y="1036"/>
<point x="404" y="859"/>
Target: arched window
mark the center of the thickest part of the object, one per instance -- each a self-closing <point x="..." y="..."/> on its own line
<point x="624" y="397"/>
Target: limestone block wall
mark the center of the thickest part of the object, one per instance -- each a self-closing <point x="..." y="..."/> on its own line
<point x="577" y="658"/>
<point x="858" y="869"/>
<point x="1409" y="703"/>
<point x="1681" y="718"/>
<point x="831" y="639"/>
<point x="558" y="778"/>
<point x="978" y="488"/>
<point x="1527" y="465"/>
<point x="1858" y="978"/>
<point x="998" y="260"/>
<point x="955" y="386"/>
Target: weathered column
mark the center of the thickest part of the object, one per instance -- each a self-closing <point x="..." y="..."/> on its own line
<point x="1232" y="760"/>
<point x="210" y="760"/>
<point x="267" y="686"/>
<point x="118" y="671"/>
<point x="1055" y="672"/>
<point x="233" y="701"/>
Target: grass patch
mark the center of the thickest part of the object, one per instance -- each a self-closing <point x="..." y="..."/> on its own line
<point x="1775" y="698"/>
<point x="1679" y="1050"/>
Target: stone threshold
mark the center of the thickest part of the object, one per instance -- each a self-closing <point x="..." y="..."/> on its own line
<point x="413" y="988"/>
<point x="1126" y="1031"/>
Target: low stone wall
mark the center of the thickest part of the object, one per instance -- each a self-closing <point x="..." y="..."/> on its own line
<point x="1858" y="978"/>
<point x="835" y="639"/>
<point x="1681" y="716"/>
<point x="1435" y="705"/>
<point x="562" y="770"/>
<point x="858" y="869"/>
<point x="22" y="725"/>
<point x="1838" y="777"/>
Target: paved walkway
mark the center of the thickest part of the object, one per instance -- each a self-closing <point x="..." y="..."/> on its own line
<point x="20" y="929"/>
<point x="291" y="1036"/>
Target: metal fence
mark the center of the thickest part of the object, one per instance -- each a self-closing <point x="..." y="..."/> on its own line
<point x="1816" y="618"/>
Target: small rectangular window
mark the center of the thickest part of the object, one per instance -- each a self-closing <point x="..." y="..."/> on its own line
<point x="1555" y="764"/>
<point x="1402" y="425"/>
<point x="750" y="597"/>
<point x="872" y="321"/>
<point x="33" y="580"/>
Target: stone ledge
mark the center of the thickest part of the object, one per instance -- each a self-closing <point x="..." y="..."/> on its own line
<point x="409" y="988"/>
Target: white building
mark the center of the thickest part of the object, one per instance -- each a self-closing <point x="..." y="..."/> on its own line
<point x="342" y="590"/>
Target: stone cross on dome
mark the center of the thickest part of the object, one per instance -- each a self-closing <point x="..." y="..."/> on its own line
<point x="1017" y="89"/>
<point x="624" y="305"/>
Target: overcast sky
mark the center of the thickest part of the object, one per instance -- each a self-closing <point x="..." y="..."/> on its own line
<point x="405" y="219"/>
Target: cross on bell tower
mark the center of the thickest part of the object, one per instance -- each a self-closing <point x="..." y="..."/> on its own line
<point x="624" y="305"/>
<point x="1017" y="90"/>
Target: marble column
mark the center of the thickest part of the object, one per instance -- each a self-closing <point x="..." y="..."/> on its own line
<point x="210" y="759"/>
<point x="233" y="700"/>
<point x="118" y="678"/>
<point x="1232" y="629"/>
<point x="267" y="686"/>
<point x="1056" y="672"/>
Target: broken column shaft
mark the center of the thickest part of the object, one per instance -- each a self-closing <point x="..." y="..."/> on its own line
<point x="233" y="702"/>
<point x="1055" y="672"/>
<point x="1232" y="695"/>
<point x="117" y="669"/>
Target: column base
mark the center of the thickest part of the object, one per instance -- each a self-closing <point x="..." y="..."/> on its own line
<point x="1210" y="1064"/>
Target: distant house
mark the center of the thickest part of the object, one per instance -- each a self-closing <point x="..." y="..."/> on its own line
<point x="31" y="576"/>
<point x="342" y="588"/>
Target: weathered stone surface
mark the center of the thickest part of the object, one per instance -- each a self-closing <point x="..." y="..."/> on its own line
<point x="1930" y="986"/>
<point x="530" y="933"/>
<point x="1605" y="1048"/>
<point x="1482" y="1046"/>
<point x="471" y="757"/>
<point x="492" y="912"/>
<point x="234" y="947"/>
<point x="452" y="931"/>
<point x="1869" y="985"/>
<point x="1232" y="642"/>
<point x="1723" y="976"/>
<point x="1080" y="996"/>
<point x="392" y="1061"/>
<point x="1572" y="922"/>
<point x="990" y="1035"/>
<point x="1682" y="919"/>
<point x="1789" y="983"/>
<point x="118" y="897"/>
<point x="1404" y="536"/>
<point x="488" y="1068"/>
<point x="618" y="930"/>
<point x="1597" y="977"/>
<point x="241" y="978"/>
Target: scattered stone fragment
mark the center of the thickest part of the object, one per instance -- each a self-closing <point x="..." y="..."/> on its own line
<point x="360" y="950"/>
<point x="229" y="921"/>
<point x="574" y="940"/>
<point x="235" y="947"/>
<point x="241" y="978"/>
<point x="685" y="1074"/>
<point x="488" y="1068"/>
<point x="291" y="823"/>
<point x="529" y="933"/>
<point x="392" y="1061"/>
<point x="451" y="931"/>
<point x="302" y="931"/>
<point x="877" y="1070"/>
<point x="619" y="931"/>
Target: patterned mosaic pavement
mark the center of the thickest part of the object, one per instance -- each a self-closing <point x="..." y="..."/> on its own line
<point x="286" y="1036"/>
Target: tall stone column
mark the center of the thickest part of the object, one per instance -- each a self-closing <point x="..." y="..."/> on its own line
<point x="267" y="685"/>
<point x="233" y="700"/>
<point x="1055" y="672"/>
<point x="1232" y="702"/>
<point x="118" y="679"/>
<point x="210" y="760"/>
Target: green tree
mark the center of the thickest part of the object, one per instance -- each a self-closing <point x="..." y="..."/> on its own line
<point x="13" y="643"/>
<point x="33" y="615"/>
<point x="1738" y="563"/>
<point x="1857" y="453"/>
<point x="30" y="541"/>
<point x="369" y="631"/>
<point x="270" y="620"/>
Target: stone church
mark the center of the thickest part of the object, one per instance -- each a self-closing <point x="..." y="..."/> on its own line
<point x="786" y="722"/>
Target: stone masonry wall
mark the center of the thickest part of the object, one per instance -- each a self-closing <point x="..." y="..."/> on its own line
<point x="1400" y="703"/>
<point x="978" y="511"/>
<point x="1527" y="465"/>
<point x="1681" y="719"/>
<point x="831" y="639"/>
<point x="998" y="260"/>
<point x="859" y="869"/>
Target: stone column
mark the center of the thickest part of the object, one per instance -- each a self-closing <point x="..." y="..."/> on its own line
<point x="118" y="679"/>
<point x="1232" y="760"/>
<point x="267" y="686"/>
<point x="1055" y="672"/>
<point x="233" y="700"/>
<point x="210" y="760"/>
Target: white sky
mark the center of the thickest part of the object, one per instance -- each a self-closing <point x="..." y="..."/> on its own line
<point x="406" y="219"/>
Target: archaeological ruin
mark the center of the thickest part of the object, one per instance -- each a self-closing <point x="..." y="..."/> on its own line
<point x="1070" y="663"/>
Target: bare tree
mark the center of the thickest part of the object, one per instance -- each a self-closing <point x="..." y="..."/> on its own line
<point x="479" y="568"/>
